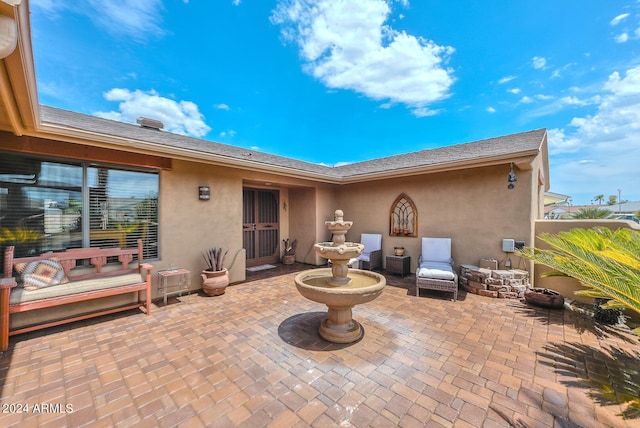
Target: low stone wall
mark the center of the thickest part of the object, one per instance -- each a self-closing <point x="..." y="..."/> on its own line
<point x="497" y="283"/>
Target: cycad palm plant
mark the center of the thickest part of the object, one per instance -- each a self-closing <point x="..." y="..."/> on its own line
<point x="591" y="213"/>
<point x="606" y="262"/>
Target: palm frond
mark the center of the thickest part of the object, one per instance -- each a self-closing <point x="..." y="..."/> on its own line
<point x="606" y="262"/>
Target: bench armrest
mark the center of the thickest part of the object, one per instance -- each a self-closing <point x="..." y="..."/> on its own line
<point x="146" y="266"/>
<point x="8" y="282"/>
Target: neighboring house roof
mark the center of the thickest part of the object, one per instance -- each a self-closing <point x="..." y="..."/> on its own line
<point x="510" y="148"/>
<point x="552" y="199"/>
<point x="627" y="207"/>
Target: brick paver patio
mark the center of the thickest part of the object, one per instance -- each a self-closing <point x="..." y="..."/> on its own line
<point x="252" y="358"/>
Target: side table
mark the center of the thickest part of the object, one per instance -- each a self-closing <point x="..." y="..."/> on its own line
<point x="177" y="285"/>
<point x="399" y="264"/>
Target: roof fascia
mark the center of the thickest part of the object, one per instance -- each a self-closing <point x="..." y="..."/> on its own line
<point x="17" y="77"/>
<point x="523" y="160"/>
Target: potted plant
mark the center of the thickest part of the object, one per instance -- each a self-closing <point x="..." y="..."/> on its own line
<point x="215" y="277"/>
<point x="289" y="256"/>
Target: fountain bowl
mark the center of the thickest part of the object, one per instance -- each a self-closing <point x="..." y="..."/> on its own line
<point x="344" y="251"/>
<point x="364" y="286"/>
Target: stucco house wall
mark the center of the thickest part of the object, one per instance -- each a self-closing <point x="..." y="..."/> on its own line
<point x="189" y="226"/>
<point x="472" y="207"/>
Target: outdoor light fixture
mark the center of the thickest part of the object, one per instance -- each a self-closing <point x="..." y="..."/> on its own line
<point x="204" y="193"/>
<point x="8" y="36"/>
<point x="512" y="178"/>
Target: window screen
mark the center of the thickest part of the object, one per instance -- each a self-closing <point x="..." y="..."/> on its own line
<point x="48" y="205"/>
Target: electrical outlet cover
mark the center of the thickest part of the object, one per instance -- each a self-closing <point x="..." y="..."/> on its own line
<point x="508" y="245"/>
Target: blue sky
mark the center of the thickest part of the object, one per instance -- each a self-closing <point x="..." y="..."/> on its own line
<point x="334" y="82"/>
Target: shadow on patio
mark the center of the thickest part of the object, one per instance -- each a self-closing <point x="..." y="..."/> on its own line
<point x="252" y="357"/>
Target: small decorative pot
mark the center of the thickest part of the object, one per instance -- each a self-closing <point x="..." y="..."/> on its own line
<point x="398" y="251"/>
<point x="288" y="259"/>
<point x="396" y="231"/>
<point x="214" y="283"/>
<point x="405" y="231"/>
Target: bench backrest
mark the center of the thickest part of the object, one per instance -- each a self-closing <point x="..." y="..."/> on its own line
<point x="75" y="257"/>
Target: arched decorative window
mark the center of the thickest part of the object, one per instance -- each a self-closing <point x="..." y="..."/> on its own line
<point x="403" y="217"/>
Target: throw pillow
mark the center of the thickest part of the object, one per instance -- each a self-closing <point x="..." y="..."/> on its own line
<point x="41" y="273"/>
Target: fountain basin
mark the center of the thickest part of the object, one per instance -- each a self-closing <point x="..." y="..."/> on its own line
<point x="344" y="251"/>
<point x="363" y="287"/>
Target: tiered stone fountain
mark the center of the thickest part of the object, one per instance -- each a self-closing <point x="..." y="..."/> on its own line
<point x="339" y="287"/>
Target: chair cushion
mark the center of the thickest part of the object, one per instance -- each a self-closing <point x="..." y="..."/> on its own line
<point x="364" y="257"/>
<point x="19" y="295"/>
<point x="436" y="270"/>
<point x="371" y="241"/>
<point x="436" y="249"/>
<point x="41" y="274"/>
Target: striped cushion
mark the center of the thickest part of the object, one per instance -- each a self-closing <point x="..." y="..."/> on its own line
<point x="41" y="274"/>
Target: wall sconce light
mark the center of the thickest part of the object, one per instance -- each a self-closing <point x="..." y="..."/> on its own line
<point x="204" y="193"/>
<point x="284" y="206"/>
<point x="512" y="178"/>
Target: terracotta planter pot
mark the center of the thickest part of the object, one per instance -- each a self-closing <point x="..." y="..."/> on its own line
<point x="288" y="260"/>
<point x="544" y="297"/>
<point x="398" y="251"/>
<point x="214" y="283"/>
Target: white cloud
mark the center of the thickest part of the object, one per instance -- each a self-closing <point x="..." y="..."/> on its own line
<point x="526" y="100"/>
<point x="229" y="133"/>
<point x="180" y="117"/>
<point x="609" y="136"/>
<point x="539" y="62"/>
<point x="137" y="19"/>
<point x="236" y="2"/>
<point x="222" y="106"/>
<point x="349" y="45"/>
<point x="514" y="91"/>
<point x="491" y="109"/>
<point x="506" y="79"/>
<point x="618" y="19"/>
<point x="423" y="112"/>
<point x="622" y="38"/>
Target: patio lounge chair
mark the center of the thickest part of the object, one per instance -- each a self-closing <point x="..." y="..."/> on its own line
<point x="435" y="269"/>
<point x="371" y="257"/>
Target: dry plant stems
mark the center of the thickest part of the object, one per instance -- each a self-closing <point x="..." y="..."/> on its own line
<point x="214" y="257"/>
<point x="290" y="247"/>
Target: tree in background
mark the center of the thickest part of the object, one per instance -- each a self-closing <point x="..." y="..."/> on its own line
<point x="591" y="213"/>
<point x="599" y="199"/>
<point x="606" y="262"/>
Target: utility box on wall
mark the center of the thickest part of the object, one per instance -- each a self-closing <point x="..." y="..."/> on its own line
<point x="508" y="245"/>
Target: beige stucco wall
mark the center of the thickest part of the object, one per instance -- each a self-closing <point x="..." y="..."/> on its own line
<point x="188" y="225"/>
<point x="302" y="220"/>
<point x="473" y="207"/>
<point x="568" y="286"/>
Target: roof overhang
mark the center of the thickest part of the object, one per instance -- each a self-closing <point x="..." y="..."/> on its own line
<point x="19" y="108"/>
<point x="522" y="160"/>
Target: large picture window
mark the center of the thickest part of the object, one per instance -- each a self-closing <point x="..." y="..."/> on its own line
<point x="48" y="205"/>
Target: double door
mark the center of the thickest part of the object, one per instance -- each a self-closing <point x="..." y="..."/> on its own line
<point x="261" y="226"/>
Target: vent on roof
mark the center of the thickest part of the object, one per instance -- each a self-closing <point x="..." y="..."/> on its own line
<point x="145" y="122"/>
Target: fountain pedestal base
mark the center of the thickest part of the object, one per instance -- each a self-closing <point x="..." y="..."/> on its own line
<point x="340" y="327"/>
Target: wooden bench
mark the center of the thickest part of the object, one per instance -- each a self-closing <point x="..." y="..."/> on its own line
<point x="85" y="283"/>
